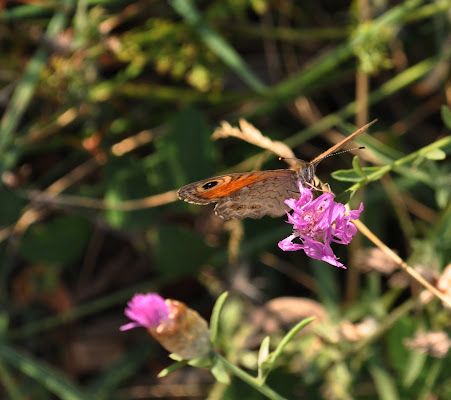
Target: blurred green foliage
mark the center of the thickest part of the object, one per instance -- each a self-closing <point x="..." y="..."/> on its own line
<point x="107" y="102"/>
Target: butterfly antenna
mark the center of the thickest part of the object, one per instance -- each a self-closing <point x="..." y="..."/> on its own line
<point x="339" y="152"/>
<point x="289" y="158"/>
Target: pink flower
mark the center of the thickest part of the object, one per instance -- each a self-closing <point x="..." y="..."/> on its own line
<point x="175" y="326"/>
<point x="317" y="223"/>
<point x="146" y="310"/>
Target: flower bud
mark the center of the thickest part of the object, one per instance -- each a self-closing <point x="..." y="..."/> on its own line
<point x="176" y="327"/>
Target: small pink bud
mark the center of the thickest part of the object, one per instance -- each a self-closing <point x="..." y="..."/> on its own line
<point x="176" y="327"/>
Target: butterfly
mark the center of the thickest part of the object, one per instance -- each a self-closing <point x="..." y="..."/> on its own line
<point x="259" y="193"/>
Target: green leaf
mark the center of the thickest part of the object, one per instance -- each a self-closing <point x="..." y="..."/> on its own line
<point x="351" y="175"/>
<point x="172" y="368"/>
<point x="263" y="354"/>
<point x="385" y="384"/>
<point x="442" y="197"/>
<point x="216" y="43"/>
<point x="344" y="197"/>
<point x="4" y="322"/>
<point x="328" y="288"/>
<point x="446" y="115"/>
<point x="203" y="362"/>
<point x="25" y="90"/>
<point x="431" y="381"/>
<point x="358" y="169"/>
<point x="179" y="251"/>
<point x="128" y="179"/>
<point x="414" y="367"/>
<point x="187" y="150"/>
<point x="61" y="240"/>
<point x="399" y="355"/>
<point x="61" y="386"/>
<point x="219" y="371"/>
<point x="214" y="319"/>
<point x="268" y="365"/>
<point x="436" y="154"/>
<point x="11" y="208"/>
<point x="111" y="377"/>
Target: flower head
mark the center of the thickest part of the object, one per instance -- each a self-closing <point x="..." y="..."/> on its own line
<point x="176" y="327"/>
<point x="317" y="223"/>
<point x="146" y="310"/>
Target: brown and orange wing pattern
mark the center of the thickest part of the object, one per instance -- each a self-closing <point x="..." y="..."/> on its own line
<point x="245" y="195"/>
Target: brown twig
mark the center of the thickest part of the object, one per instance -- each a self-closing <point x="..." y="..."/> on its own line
<point x="414" y="274"/>
<point x="249" y="133"/>
<point x="87" y="202"/>
<point x="34" y="213"/>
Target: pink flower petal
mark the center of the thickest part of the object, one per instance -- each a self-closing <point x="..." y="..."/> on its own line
<point x="145" y="310"/>
<point x="317" y="223"/>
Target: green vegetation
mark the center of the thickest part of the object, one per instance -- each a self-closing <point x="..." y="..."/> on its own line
<point x="108" y="107"/>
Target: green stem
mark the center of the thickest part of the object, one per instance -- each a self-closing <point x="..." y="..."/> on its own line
<point x="217" y="44"/>
<point x="102" y="303"/>
<point x="387" y="323"/>
<point x="398" y="164"/>
<point x="9" y="383"/>
<point x="25" y="90"/>
<point x="250" y="380"/>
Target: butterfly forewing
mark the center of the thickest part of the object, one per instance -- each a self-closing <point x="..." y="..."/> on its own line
<point x="265" y="197"/>
<point x="255" y="194"/>
<point x="244" y="195"/>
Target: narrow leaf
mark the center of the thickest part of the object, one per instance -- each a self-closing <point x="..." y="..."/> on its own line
<point x="53" y="380"/>
<point x="220" y="372"/>
<point x="385" y="385"/>
<point x="217" y="44"/>
<point x="263" y="354"/>
<point x="172" y="368"/>
<point x="358" y="169"/>
<point x="214" y="320"/>
<point x="354" y="175"/>
<point x="414" y="367"/>
<point x="436" y="154"/>
<point x="446" y="116"/>
<point x="269" y="364"/>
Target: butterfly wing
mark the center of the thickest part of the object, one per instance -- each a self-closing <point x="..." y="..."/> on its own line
<point x="260" y="198"/>
<point x="245" y="195"/>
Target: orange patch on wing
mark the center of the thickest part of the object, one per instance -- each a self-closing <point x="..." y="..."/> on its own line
<point x="242" y="180"/>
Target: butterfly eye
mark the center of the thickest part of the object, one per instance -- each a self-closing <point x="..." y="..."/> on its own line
<point x="209" y="185"/>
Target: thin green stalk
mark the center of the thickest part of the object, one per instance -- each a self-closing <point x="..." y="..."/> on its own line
<point x="25" y="89"/>
<point x="386" y="324"/>
<point x="288" y="34"/>
<point x="84" y="310"/>
<point x="431" y="379"/>
<point x="52" y="379"/>
<point x="391" y="87"/>
<point x="9" y="383"/>
<point x="397" y="165"/>
<point x="250" y="380"/>
<point x="217" y="44"/>
<point x="297" y="85"/>
<point x="428" y="10"/>
<point x="394" y="85"/>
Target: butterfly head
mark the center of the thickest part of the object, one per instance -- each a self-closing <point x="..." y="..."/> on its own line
<point x="306" y="173"/>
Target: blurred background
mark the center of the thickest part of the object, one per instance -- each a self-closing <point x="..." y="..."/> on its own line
<point x="108" y="107"/>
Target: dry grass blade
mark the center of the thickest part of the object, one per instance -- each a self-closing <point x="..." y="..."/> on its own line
<point x="33" y="213"/>
<point x="249" y="133"/>
<point x="414" y="274"/>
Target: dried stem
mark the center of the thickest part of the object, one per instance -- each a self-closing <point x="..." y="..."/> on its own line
<point x="398" y="260"/>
